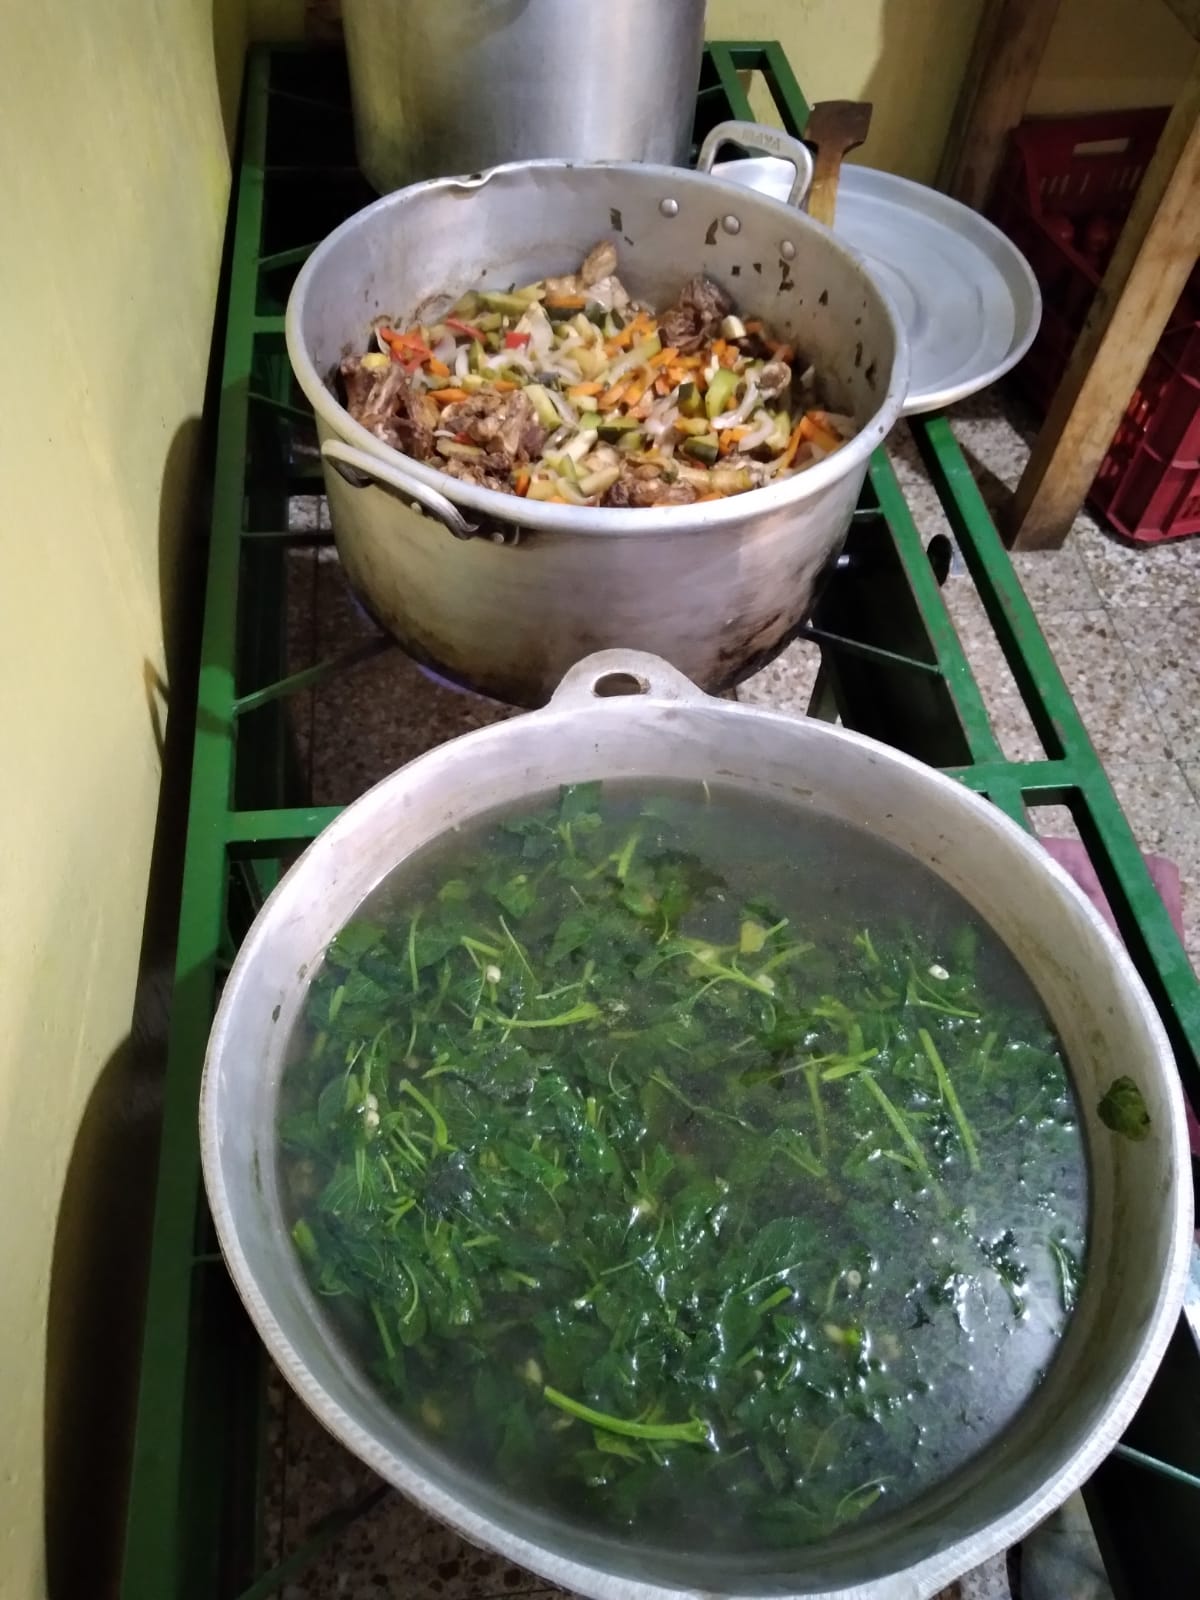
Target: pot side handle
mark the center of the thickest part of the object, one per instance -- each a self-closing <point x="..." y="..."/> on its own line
<point x="763" y="141"/>
<point x="614" y="674"/>
<point x="359" y="468"/>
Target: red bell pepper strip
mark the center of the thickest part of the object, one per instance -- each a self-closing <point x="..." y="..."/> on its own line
<point x="466" y="327"/>
<point x="515" y="341"/>
<point x="406" y="346"/>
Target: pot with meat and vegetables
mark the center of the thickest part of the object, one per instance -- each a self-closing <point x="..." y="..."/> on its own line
<point x="568" y="392"/>
<point x="567" y="406"/>
<point x="695" y="1150"/>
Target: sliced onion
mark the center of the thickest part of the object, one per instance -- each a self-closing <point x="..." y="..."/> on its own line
<point x="621" y="366"/>
<point x="564" y="408"/>
<point x="446" y="349"/>
<point x="758" y="437"/>
<point x="540" y="329"/>
<point x="663" y="416"/>
<point x="462" y="361"/>
<point x="734" y="419"/>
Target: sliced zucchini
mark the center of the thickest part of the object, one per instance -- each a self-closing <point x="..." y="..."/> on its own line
<point x="511" y="305"/>
<point x="720" y="392"/>
<point x="543" y="405"/>
<point x="702" y="447"/>
<point x="600" y="481"/>
<point x="453" y="451"/>
<point x="613" y="429"/>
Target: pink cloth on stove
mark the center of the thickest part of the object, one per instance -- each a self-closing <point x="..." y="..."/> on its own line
<point x="1164" y="875"/>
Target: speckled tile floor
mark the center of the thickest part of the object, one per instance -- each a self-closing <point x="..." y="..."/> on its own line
<point x="1123" y="623"/>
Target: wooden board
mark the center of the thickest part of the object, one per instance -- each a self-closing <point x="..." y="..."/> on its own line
<point x="1004" y="63"/>
<point x="1153" y="259"/>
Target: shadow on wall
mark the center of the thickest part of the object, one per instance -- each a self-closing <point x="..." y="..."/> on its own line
<point x="102" y="1236"/>
<point x="913" y="102"/>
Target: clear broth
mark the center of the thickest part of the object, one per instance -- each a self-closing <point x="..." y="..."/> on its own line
<point x="697" y="1165"/>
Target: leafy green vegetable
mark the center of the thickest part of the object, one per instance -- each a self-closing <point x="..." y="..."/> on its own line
<point x="666" y="1195"/>
<point x="1124" y="1111"/>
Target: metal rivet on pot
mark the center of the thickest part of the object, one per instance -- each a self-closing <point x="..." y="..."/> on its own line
<point x="787" y="250"/>
<point x="669" y="208"/>
<point x="731" y="225"/>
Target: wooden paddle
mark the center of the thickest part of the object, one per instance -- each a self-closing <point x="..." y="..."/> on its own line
<point x="835" y="127"/>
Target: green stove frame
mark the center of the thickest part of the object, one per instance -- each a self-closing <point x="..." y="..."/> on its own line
<point x="892" y="666"/>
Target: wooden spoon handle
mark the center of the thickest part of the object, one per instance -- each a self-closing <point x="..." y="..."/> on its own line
<point x="822" y="195"/>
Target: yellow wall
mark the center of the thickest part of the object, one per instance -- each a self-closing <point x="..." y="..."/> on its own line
<point x="905" y="56"/>
<point x="113" y="194"/>
<point x="1112" y="53"/>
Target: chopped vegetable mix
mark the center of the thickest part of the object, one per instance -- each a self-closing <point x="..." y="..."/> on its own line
<point x="568" y="391"/>
<point x="695" y="1166"/>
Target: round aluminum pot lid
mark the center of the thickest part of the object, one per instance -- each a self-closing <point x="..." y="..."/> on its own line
<point x="965" y="294"/>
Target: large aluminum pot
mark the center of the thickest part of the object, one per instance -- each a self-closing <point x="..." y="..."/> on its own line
<point x="1140" y="1224"/>
<point x="441" y="86"/>
<point x="528" y="588"/>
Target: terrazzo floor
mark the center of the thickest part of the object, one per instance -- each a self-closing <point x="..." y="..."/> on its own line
<point x="1123" y="623"/>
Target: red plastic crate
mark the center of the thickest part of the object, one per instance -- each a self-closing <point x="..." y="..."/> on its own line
<point x="1057" y="173"/>
<point x="1058" y="176"/>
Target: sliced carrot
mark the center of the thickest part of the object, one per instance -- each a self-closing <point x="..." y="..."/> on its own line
<point x="817" y="432"/>
<point x="584" y="390"/>
<point x="663" y="385"/>
<point x="664" y="358"/>
<point x="730" y="437"/>
<point x="610" y="397"/>
<point x="438" y="368"/>
<point x="677" y="373"/>
<point x="631" y="331"/>
<point x="505" y="385"/>
<point x="445" y="397"/>
<point x="634" y="393"/>
<point x="522" y="483"/>
<point x="565" y="302"/>
<point x="793" y="444"/>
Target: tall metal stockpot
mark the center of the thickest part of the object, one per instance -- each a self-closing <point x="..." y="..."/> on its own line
<point x="622" y="715"/>
<point x="503" y="594"/>
<point x="442" y="86"/>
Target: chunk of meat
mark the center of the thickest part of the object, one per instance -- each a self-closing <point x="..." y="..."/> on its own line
<point x="696" y="317"/>
<point x="384" y="403"/>
<point x="506" y="423"/>
<point x="571" y="285"/>
<point x="774" y="379"/>
<point x="601" y="263"/>
<point x="492" y="472"/>
<point x="641" y="487"/>
<point x="596" y="280"/>
<point x="609" y="292"/>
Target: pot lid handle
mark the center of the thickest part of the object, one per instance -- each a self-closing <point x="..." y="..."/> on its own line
<point x="613" y="674"/>
<point x="763" y="141"/>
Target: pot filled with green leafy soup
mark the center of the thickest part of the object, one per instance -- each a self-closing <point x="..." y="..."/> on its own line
<point x="695" y="1150"/>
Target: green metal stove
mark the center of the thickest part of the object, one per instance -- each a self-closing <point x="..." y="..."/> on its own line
<point x="273" y="663"/>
